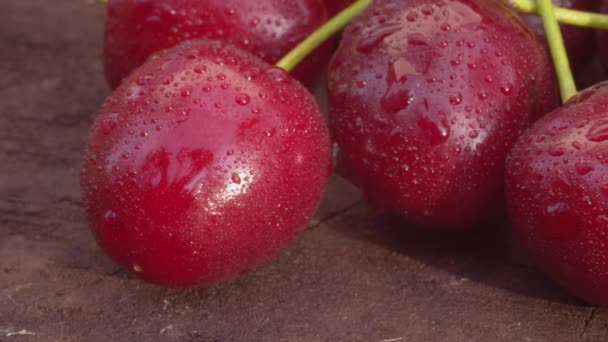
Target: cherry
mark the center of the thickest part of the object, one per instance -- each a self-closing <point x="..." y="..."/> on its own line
<point x="426" y="99"/>
<point x="336" y="6"/>
<point x="203" y="164"/>
<point x="602" y="39"/>
<point x="266" y="28"/>
<point x="579" y="40"/>
<point x="557" y="190"/>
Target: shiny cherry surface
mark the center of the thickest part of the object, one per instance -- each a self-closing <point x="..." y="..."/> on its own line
<point x="203" y="164"/>
<point x="267" y="28"/>
<point x="426" y="99"/>
<point x="557" y="190"/>
<point x="335" y="6"/>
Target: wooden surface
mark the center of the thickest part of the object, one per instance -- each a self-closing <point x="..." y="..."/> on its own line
<point x="353" y="276"/>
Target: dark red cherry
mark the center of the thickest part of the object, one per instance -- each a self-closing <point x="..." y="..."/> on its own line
<point x="266" y="28"/>
<point x="203" y="165"/>
<point x="335" y="6"/>
<point x="557" y="191"/>
<point x="427" y="97"/>
<point x="579" y="40"/>
<point x="592" y="74"/>
<point x="602" y="39"/>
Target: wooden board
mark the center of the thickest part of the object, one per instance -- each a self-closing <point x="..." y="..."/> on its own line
<point x="353" y="276"/>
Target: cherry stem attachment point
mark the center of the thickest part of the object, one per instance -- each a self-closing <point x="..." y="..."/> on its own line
<point x="322" y="34"/>
<point x="565" y="15"/>
<point x="103" y="2"/>
<point x="567" y="86"/>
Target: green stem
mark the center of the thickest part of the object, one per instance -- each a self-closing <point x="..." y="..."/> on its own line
<point x="323" y="33"/>
<point x="566" y="16"/>
<point x="103" y="2"/>
<point x="567" y="86"/>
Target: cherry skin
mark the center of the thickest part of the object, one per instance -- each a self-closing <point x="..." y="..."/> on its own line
<point x="336" y="6"/>
<point x="267" y="28"/>
<point x="203" y="165"/>
<point x="579" y="40"/>
<point x="557" y="191"/>
<point x="602" y="39"/>
<point x="426" y="99"/>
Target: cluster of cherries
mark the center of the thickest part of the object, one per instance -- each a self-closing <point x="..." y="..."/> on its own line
<point x="207" y="159"/>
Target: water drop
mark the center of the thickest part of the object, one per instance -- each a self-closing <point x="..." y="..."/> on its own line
<point x="186" y="91"/>
<point x="456" y="99"/>
<point x="555" y="151"/>
<point x="243" y="99"/>
<point x="108" y="123"/>
<point x="506" y="89"/>
<point x="437" y="132"/>
<point x="278" y="74"/>
<point x="200" y="69"/>
<point x="416" y="39"/>
<point x="598" y="132"/>
<point x="583" y="168"/>
<point x="166" y="80"/>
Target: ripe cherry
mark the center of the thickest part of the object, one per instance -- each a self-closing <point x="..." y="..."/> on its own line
<point x="427" y="97"/>
<point x="203" y="164"/>
<point x="579" y="40"/>
<point x="335" y="6"/>
<point x="266" y="28"/>
<point x="557" y="191"/>
<point x="602" y="39"/>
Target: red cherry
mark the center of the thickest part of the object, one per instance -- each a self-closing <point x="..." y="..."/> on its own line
<point x="267" y="28"/>
<point x="579" y="40"/>
<point x="602" y="39"/>
<point x="203" y="164"/>
<point x="335" y="6"/>
<point x="557" y="191"/>
<point x="427" y="97"/>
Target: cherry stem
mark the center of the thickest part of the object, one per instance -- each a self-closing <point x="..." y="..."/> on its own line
<point x="103" y="2"/>
<point x="565" y="15"/>
<point x="567" y="86"/>
<point x="322" y="34"/>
